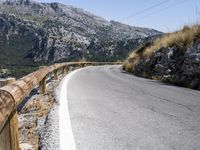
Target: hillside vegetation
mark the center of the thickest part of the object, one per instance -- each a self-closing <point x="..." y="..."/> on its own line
<point x="174" y="58"/>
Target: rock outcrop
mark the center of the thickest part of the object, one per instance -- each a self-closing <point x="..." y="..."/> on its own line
<point x="173" y="65"/>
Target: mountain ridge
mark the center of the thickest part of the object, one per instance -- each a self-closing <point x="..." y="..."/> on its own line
<point x="57" y="32"/>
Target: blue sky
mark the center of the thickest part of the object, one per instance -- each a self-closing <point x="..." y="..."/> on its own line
<point x="167" y="17"/>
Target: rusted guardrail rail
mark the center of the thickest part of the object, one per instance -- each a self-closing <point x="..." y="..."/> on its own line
<point x="13" y="94"/>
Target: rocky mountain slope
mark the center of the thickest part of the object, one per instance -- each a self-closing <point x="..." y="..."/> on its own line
<point x="51" y="32"/>
<point x="174" y="58"/>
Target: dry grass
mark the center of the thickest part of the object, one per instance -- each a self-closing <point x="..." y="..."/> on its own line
<point x="182" y="39"/>
<point x="129" y="64"/>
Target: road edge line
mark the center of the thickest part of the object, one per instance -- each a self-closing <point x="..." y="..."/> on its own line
<point x="65" y="130"/>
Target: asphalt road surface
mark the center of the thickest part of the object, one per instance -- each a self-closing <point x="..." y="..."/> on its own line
<point x="113" y="110"/>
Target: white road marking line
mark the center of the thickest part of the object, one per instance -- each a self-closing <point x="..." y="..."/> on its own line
<point x="65" y="130"/>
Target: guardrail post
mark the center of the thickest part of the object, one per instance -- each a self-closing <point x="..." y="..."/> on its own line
<point x="64" y="69"/>
<point x="5" y="139"/>
<point x="67" y="69"/>
<point x="9" y="135"/>
<point x="2" y="82"/>
<point x="14" y="132"/>
<point x="42" y="86"/>
<point x="82" y="65"/>
<point x="55" y="72"/>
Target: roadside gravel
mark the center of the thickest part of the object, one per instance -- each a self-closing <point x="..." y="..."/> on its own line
<point x="39" y="121"/>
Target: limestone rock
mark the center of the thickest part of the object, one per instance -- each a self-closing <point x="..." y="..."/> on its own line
<point x="173" y="65"/>
<point x="51" y="32"/>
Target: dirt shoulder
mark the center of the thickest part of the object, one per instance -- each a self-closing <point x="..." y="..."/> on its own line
<point x="33" y="116"/>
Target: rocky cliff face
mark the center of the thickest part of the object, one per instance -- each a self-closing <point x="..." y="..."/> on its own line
<point x="50" y="32"/>
<point x="173" y="65"/>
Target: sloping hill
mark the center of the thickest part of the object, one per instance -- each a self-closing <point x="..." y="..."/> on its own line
<point x="173" y="58"/>
<point x="49" y="32"/>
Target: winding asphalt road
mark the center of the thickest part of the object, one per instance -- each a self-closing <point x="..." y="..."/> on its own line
<point x="112" y="110"/>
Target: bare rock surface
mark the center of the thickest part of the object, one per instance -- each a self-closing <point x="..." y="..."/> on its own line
<point x="173" y="65"/>
<point x="49" y="32"/>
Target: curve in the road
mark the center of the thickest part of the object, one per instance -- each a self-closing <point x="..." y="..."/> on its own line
<point x="112" y="110"/>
